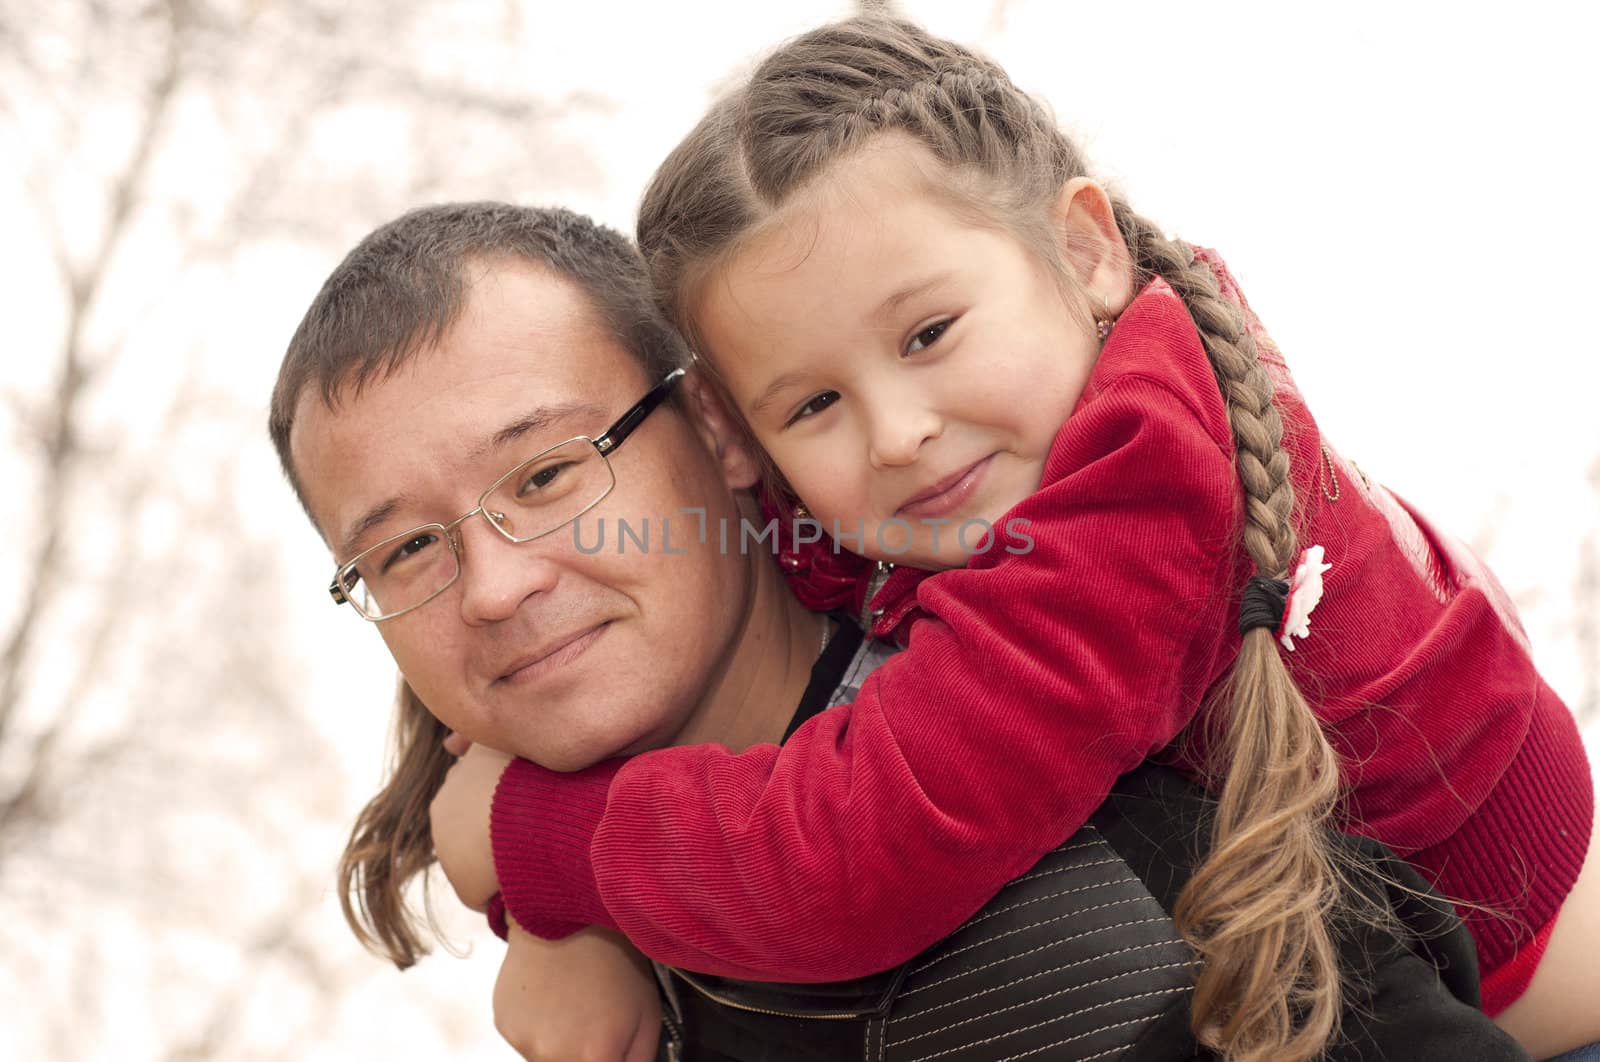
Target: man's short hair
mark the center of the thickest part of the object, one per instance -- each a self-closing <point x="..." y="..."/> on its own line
<point x="404" y="286"/>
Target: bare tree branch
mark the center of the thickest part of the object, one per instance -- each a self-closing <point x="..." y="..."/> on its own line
<point x="27" y="801"/>
<point x="107" y="790"/>
<point x="83" y="286"/>
<point x="276" y="940"/>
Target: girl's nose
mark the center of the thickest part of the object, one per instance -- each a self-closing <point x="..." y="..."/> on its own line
<point x="899" y="430"/>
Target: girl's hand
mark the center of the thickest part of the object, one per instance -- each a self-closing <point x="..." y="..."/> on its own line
<point x="588" y="996"/>
<point x="459" y="818"/>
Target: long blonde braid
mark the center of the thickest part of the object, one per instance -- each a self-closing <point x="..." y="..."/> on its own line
<point x="1257" y="909"/>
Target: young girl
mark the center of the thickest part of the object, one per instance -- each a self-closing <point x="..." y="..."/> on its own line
<point x="934" y="322"/>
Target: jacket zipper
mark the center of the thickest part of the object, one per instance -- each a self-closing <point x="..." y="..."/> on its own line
<point x="880" y="575"/>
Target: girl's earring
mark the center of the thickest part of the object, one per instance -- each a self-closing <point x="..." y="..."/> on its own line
<point x="801" y="512"/>
<point x="1104" y="321"/>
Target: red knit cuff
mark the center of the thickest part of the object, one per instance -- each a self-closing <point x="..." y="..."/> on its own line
<point x="541" y="825"/>
<point x="1543" y="803"/>
<point x="1503" y="986"/>
<point x="495" y="912"/>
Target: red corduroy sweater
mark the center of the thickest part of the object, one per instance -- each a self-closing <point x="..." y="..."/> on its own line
<point x="1032" y="681"/>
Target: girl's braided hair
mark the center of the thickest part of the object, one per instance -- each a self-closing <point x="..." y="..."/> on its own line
<point x="1258" y="909"/>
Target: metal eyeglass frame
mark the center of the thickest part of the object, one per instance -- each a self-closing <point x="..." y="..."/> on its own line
<point x="605" y="444"/>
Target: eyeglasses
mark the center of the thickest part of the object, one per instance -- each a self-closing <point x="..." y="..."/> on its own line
<point x="538" y="497"/>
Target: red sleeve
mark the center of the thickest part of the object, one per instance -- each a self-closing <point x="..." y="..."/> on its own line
<point x="882" y="825"/>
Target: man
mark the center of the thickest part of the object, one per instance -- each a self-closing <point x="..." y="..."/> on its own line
<point x="434" y="413"/>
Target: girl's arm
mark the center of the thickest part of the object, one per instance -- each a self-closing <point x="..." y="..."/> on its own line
<point x="590" y="995"/>
<point x="458" y="820"/>
<point x="882" y="825"/>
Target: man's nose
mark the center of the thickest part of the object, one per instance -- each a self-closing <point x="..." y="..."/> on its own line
<point x="498" y="575"/>
<point x="900" y="425"/>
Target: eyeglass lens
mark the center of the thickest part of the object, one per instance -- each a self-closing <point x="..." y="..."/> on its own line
<point x="537" y="497"/>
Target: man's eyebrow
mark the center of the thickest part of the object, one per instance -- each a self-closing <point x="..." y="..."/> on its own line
<point x="541" y="420"/>
<point x="367" y="521"/>
<point x="538" y="420"/>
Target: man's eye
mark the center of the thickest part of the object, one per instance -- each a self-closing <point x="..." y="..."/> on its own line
<point x="928" y="336"/>
<point x="814" y="406"/>
<point x="540" y="480"/>
<point x="409" y="548"/>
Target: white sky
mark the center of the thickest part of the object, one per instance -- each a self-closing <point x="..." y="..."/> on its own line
<point x="1404" y="190"/>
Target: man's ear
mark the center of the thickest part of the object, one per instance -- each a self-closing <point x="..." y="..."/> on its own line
<point x="721" y="431"/>
<point x="1092" y="246"/>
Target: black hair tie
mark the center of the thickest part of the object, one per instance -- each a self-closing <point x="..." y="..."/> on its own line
<point x="1263" y="604"/>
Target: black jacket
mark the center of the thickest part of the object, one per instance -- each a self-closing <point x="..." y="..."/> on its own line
<point x="1079" y="960"/>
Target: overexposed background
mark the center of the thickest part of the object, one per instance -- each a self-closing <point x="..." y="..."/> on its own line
<point x="187" y="727"/>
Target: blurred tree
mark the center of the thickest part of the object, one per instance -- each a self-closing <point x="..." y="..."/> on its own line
<point x="152" y="743"/>
<point x="159" y="769"/>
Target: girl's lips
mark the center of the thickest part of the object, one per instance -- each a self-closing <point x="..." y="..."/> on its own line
<point x="947" y="495"/>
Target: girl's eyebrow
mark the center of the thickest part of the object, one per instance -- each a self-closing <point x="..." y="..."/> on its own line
<point x="777" y="387"/>
<point x="899" y="298"/>
<point x="894" y="301"/>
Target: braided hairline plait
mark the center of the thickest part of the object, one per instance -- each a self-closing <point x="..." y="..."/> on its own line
<point x="961" y="112"/>
<point x="1247" y="389"/>
<point x="834" y="90"/>
<point x="1277" y="755"/>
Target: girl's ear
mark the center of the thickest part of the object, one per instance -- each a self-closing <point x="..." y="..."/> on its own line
<point x="721" y="431"/>
<point x="1092" y="246"/>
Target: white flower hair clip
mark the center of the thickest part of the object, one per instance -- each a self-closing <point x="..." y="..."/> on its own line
<point x="1305" y="592"/>
<point x="1284" y="607"/>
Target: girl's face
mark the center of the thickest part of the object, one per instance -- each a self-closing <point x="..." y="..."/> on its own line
<point x="905" y="369"/>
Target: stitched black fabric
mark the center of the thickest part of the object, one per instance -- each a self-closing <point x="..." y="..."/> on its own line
<point x="1071" y="960"/>
<point x="1407" y="999"/>
<point x="1078" y="960"/>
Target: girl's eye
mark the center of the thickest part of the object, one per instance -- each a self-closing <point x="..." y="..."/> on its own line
<point x="814" y="406"/>
<point x="928" y="336"/>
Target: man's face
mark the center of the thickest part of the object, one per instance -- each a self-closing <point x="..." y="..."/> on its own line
<point x="538" y="649"/>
